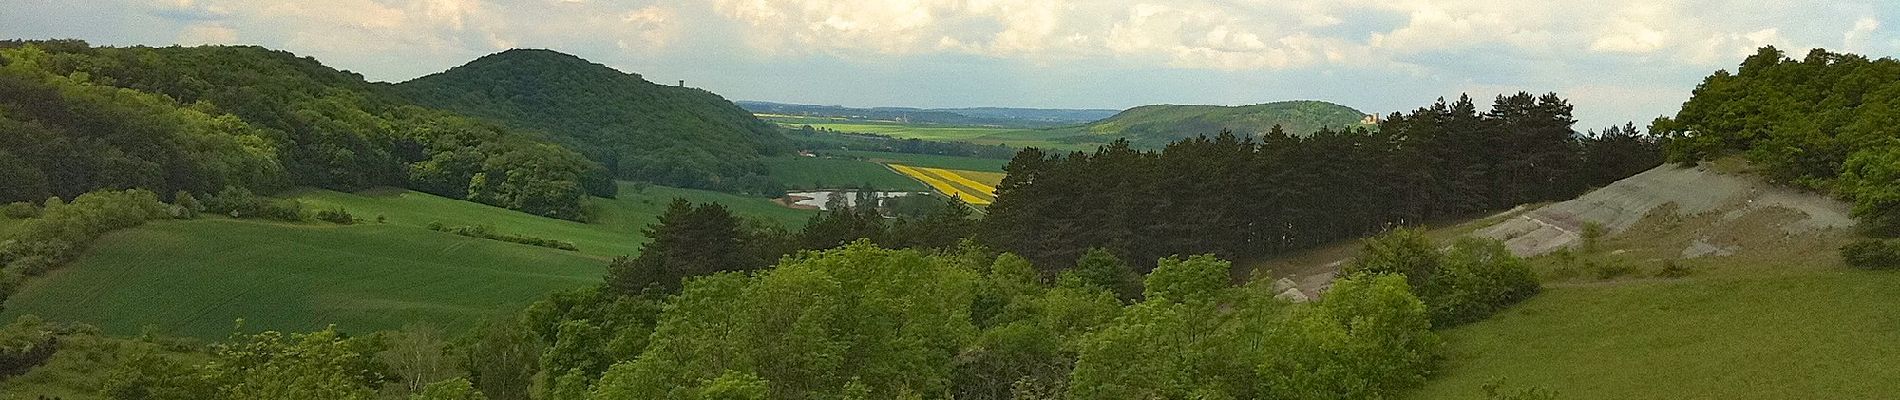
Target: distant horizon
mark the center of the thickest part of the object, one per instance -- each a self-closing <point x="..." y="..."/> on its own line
<point x="1617" y="61"/>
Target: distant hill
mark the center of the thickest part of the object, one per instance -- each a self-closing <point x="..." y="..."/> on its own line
<point x="670" y="135"/>
<point x="1157" y="125"/>
<point x="979" y="116"/>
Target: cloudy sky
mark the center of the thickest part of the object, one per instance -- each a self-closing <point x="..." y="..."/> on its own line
<point x="1618" y="60"/>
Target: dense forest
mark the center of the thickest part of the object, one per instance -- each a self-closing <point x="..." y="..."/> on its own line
<point x="1241" y="199"/>
<point x="1826" y="121"/>
<point x="75" y="118"/>
<point x="668" y="135"/>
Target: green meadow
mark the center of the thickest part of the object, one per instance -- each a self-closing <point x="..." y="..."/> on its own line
<point x="925" y="160"/>
<point x="797" y="173"/>
<point x="197" y="277"/>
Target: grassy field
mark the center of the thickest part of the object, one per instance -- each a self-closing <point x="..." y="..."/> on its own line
<point x="194" y="278"/>
<point x="614" y="231"/>
<point x="836" y="173"/>
<point x="925" y="160"/>
<point x="1055" y="138"/>
<point x="964" y="185"/>
<point x="1779" y="318"/>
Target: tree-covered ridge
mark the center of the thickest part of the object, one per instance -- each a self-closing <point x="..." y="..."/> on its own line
<point x="1240" y="198"/>
<point x="1828" y="120"/>
<point x="670" y="135"/>
<point x="197" y="119"/>
<point x="1157" y="125"/>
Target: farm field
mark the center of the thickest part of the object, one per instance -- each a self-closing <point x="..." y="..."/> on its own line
<point x="362" y="277"/>
<point x="801" y="173"/>
<point x="614" y="231"/>
<point x="1052" y="138"/>
<point x="973" y="187"/>
<point x="925" y="160"/>
<point x="195" y="278"/>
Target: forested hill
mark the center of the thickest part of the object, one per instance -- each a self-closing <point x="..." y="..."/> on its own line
<point x="670" y="135"/>
<point x="76" y="118"/>
<point x="1156" y="125"/>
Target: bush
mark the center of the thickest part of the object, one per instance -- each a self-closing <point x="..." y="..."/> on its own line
<point x="20" y="210"/>
<point x="1873" y="254"/>
<point x="337" y="216"/>
<point x="1673" y="269"/>
<point x="188" y="205"/>
<point x="1475" y="279"/>
<point x="24" y="344"/>
<point x="487" y="232"/>
<point x="62" y="230"/>
<point x="242" y="203"/>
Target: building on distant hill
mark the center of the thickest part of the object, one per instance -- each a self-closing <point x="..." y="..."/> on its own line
<point x="1371" y="119"/>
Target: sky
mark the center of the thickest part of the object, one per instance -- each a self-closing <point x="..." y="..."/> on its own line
<point x="1616" y="60"/>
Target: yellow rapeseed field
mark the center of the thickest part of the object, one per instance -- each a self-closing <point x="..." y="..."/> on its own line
<point x="968" y="186"/>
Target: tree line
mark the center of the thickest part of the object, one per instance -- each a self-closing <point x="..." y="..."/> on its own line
<point x="1828" y="121"/>
<point x="1244" y="197"/>
<point x="75" y="118"/>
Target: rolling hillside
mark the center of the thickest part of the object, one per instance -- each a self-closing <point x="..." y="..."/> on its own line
<point x="1156" y="125"/>
<point x="671" y="135"/>
<point x="195" y="277"/>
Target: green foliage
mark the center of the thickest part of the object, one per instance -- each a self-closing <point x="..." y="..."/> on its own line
<point x="239" y="202"/>
<point x="501" y="358"/>
<point x="1872" y="179"/>
<point x="1242" y="196"/>
<point x="1825" y="120"/>
<point x="883" y="321"/>
<point x="1195" y="279"/>
<point x="188" y="205"/>
<point x="488" y="232"/>
<point x="687" y="241"/>
<point x="1496" y="390"/>
<point x="1472" y="280"/>
<point x="20" y="210"/>
<point x="1369" y="338"/>
<point x="317" y="365"/>
<point x="1101" y="268"/>
<point x="63" y="230"/>
<point x="669" y="135"/>
<point x="450" y="389"/>
<point x="798" y="173"/>
<point x="25" y="343"/>
<point x="1873" y="254"/>
<point x="200" y="119"/>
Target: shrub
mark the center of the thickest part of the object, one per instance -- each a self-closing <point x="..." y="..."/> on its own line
<point x="242" y="203"/>
<point x="337" y="216"/>
<point x="24" y="344"/>
<point x="1474" y="279"/>
<point x="1673" y="269"/>
<point x="487" y="232"/>
<point x="20" y="209"/>
<point x="1873" y="254"/>
<point x="63" y="229"/>
<point x="188" y="205"/>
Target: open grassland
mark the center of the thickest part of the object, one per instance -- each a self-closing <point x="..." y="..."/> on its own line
<point x="925" y="160"/>
<point x="614" y="230"/>
<point x="1069" y="138"/>
<point x="836" y="173"/>
<point x="195" y="278"/>
<point x="1774" y="315"/>
<point x="955" y="183"/>
<point x="1824" y="334"/>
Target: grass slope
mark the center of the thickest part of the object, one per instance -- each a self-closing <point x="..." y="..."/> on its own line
<point x="195" y="277"/>
<point x="614" y="231"/>
<point x="1829" y="334"/>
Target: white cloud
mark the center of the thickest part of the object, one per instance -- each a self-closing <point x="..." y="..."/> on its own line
<point x="208" y="33"/>
<point x="1857" y="37"/>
